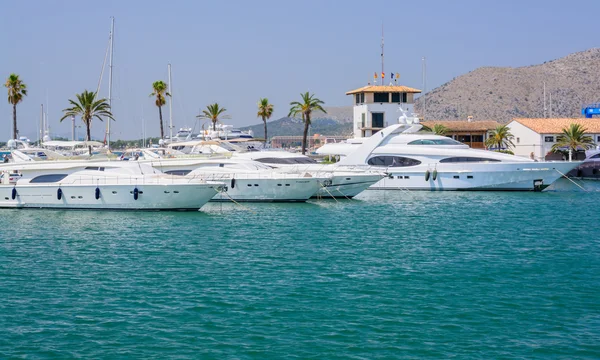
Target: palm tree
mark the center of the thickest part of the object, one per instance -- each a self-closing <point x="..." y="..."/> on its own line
<point x="88" y="108"/>
<point x="306" y="107"/>
<point x="572" y="138"/>
<point x="440" y="129"/>
<point x="16" y="90"/>
<point x="160" y="91"/>
<point x="500" y="137"/>
<point x="425" y="128"/>
<point x="265" y="110"/>
<point x="214" y="113"/>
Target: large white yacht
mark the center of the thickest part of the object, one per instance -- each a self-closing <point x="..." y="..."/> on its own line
<point x="423" y="161"/>
<point x="99" y="185"/>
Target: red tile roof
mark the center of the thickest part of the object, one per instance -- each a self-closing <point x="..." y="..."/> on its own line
<point x="556" y="126"/>
<point x="463" y="125"/>
<point x="384" y="88"/>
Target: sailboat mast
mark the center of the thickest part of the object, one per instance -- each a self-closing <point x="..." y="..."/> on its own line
<point x="424" y="70"/>
<point x="41" y="135"/>
<point x="170" y="107"/>
<point x="544" y="99"/>
<point x="110" y="77"/>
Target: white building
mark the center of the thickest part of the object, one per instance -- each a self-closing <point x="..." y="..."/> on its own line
<point x="376" y="107"/>
<point x="537" y="136"/>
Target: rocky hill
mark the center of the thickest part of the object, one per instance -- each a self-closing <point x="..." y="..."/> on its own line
<point x="502" y="93"/>
<point x="337" y="121"/>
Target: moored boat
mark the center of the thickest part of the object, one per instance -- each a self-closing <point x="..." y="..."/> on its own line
<point x="100" y="185"/>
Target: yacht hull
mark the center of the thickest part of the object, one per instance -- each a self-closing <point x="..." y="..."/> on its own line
<point x="268" y="190"/>
<point x="347" y="186"/>
<point x="113" y="197"/>
<point x="476" y="177"/>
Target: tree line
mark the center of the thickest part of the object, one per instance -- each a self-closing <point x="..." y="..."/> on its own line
<point x="87" y="106"/>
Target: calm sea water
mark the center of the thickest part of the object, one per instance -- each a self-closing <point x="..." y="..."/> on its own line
<point x="390" y="275"/>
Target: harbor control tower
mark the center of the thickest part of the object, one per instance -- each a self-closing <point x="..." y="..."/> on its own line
<point x="376" y="106"/>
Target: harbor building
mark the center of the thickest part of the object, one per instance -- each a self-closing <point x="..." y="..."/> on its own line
<point x="376" y="107"/>
<point x="537" y="136"/>
<point x="470" y="132"/>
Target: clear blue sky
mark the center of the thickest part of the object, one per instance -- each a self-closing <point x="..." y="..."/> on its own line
<point x="235" y="52"/>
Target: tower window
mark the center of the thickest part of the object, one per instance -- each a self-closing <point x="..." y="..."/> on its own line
<point x="377" y="120"/>
<point x="381" y="97"/>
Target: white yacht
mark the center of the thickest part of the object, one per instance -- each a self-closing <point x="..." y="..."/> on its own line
<point x="74" y="148"/>
<point x="386" y="137"/>
<point x="246" y="180"/>
<point x="99" y="185"/>
<point x="423" y="161"/>
<point x="184" y="134"/>
<point x="346" y="181"/>
<point x="226" y="132"/>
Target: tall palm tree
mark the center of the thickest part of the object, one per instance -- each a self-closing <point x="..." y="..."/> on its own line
<point x="500" y="137"/>
<point x="88" y="108"/>
<point x="16" y="90"/>
<point x="265" y="110"/>
<point x="440" y="129"/>
<point x="573" y="138"/>
<point x="214" y="112"/>
<point x="305" y="108"/>
<point x="160" y="91"/>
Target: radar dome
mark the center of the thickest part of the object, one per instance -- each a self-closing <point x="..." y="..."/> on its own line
<point x="11" y="144"/>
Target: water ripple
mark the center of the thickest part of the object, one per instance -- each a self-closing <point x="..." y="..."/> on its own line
<point x="388" y="275"/>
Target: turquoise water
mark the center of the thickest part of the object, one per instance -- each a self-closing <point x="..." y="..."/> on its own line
<point x="391" y="275"/>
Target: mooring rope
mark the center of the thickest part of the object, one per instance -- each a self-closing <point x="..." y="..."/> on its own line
<point x="235" y="202"/>
<point x="571" y="180"/>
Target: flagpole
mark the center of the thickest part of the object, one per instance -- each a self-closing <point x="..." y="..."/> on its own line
<point x="382" y="57"/>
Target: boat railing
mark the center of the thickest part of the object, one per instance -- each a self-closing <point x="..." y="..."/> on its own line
<point x="162" y="179"/>
<point x="274" y="175"/>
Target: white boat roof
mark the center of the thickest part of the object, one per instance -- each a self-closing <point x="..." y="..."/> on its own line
<point x="71" y="143"/>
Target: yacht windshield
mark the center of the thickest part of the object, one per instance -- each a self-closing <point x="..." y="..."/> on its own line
<point x="392" y="161"/>
<point x="446" y="141"/>
<point x="227" y="146"/>
<point x="294" y="160"/>
<point x="462" y="159"/>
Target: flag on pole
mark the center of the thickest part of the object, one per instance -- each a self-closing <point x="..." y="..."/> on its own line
<point x="392" y="75"/>
<point x="375" y="76"/>
<point x="397" y="75"/>
<point x="382" y="75"/>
